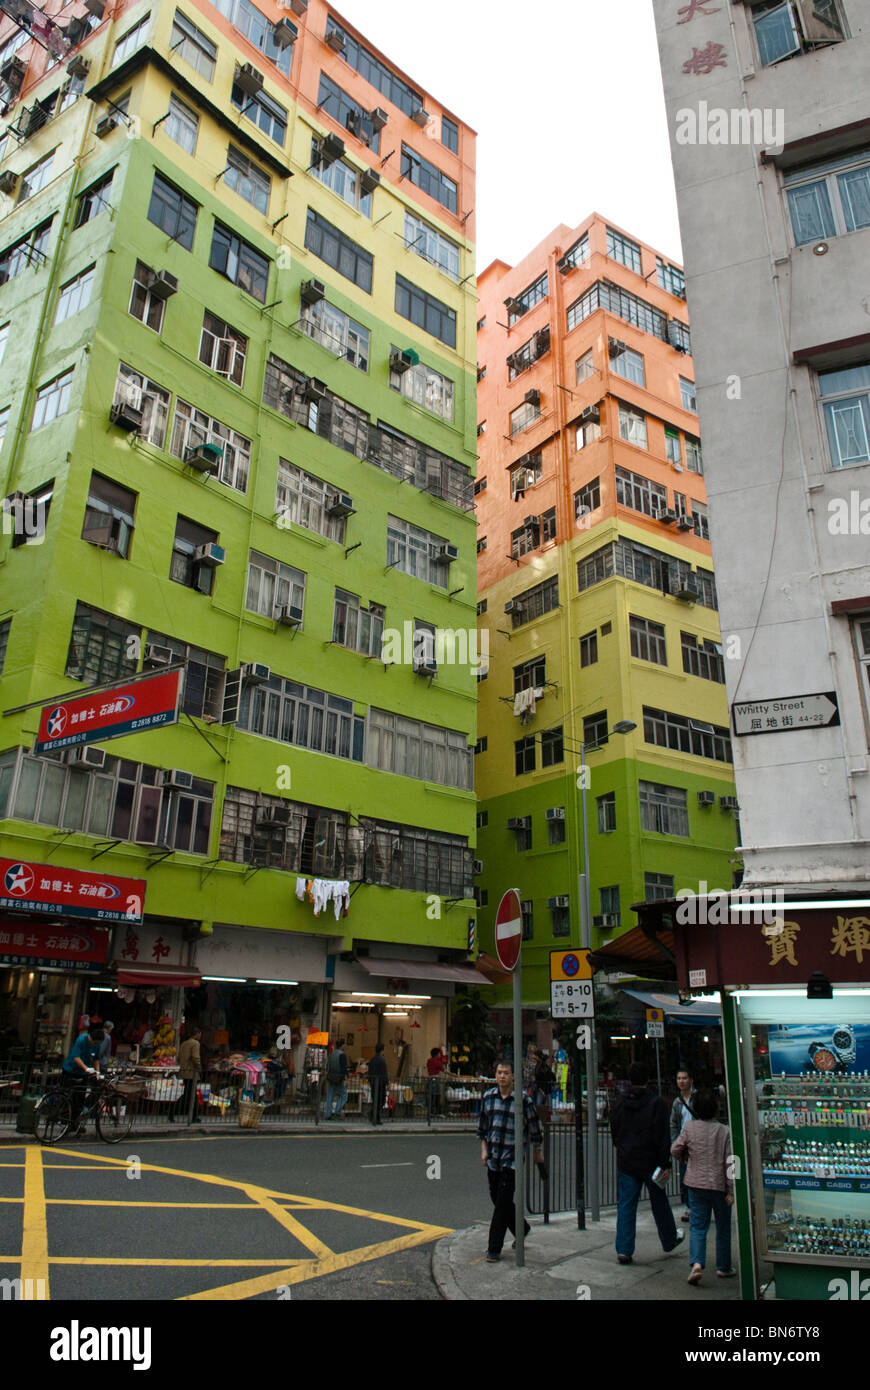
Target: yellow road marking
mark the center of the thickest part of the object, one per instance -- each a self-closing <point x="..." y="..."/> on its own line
<point x="283" y="1217"/>
<point x="11" y="1165"/>
<point x="183" y="1264"/>
<point x="185" y="1206"/>
<point x="34" y="1237"/>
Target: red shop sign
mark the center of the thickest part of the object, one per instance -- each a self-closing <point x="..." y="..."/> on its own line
<point x="57" y="944"/>
<point x="70" y="892"/>
<point x="124" y="709"/>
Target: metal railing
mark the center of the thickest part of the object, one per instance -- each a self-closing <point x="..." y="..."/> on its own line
<point x="558" y="1193"/>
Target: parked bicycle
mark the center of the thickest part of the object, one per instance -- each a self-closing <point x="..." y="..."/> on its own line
<point x="107" y="1100"/>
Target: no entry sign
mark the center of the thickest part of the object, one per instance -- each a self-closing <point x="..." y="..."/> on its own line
<point x="509" y="929"/>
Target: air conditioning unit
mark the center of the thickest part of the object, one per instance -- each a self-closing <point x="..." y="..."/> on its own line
<point x="12" y="72"/>
<point x="519" y="822"/>
<point x="250" y="79"/>
<point x="425" y="666"/>
<point x="706" y="798"/>
<point x="210" y="555"/>
<point x="298" y="6"/>
<point x="532" y="397"/>
<point x="78" y="66"/>
<point x="532" y="523"/>
<point x="173" y="777"/>
<point x="676" y="329"/>
<point x="685" y="522"/>
<point x="329" y="149"/>
<point x="420" y="117"/>
<point x="446" y="554"/>
<point x="615" y="348"/>
<point x="284" y="33"/>
<point x="205" y="458"/>
<point x="272" y="816"/>
<point x="687" y="595"/>
<point x="564" y="265"/>
<point x="561" y="901"/>
<point x="314" y="390"/>
<point x="127" y="416"/>
<point x="335" y="41"/>
<point x="728" y="803"/>
<point x="556" y="813"/>
<point x="369" y="180"/>
<point x="598" y="921"/>
<point x="513" y="605"/>
<point x="288" y="616"/>
<point x="339" y="504"/>
<point x="312" y="291"/>
<point x="155" y="655"/>
<point x="255" y="673"/>
<point x="515" y="306"/>
<point x="379" y="118"/>
<point x="105" y="125"/>
<point x="591" y="415"/>
<point x="610" y="919"/>
<point x="162" y="285"/>
<point x="541" y="342"/>
<point x="666" y="515"/>
<point x="85" y="758"/>
<point x="9" y="181"/>
<point x="402" y="361"/>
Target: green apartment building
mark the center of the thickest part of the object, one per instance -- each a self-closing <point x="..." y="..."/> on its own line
<point x="237" y="394"/>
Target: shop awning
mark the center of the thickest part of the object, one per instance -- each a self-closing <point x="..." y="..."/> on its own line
<point x="167" y="976"/>
<point x="704" y="1013"/>
<point x="642" y="952"/>
<point x="392" y="969"/>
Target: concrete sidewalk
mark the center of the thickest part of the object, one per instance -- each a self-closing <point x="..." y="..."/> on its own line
<point x="566" y="1264"/>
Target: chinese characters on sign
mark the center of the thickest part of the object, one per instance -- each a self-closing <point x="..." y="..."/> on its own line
<point x="851" y="934"/>
<point x="703" y="60"/>
<point x="782" y="939"/>
<point x="694" y="7"/>
<point x="37" y="888"/>
<point x="128" y="708"/>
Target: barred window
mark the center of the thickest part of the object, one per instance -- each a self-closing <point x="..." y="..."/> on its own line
<point x="605" y="295"/>
<point x="100" y="647"/>
<point x="303" y="499"/>
<point x="663" y="809"/>
<point x="686" y="735"/>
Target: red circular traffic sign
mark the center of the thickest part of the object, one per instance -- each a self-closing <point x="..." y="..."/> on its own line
<point x="509" y="929"/>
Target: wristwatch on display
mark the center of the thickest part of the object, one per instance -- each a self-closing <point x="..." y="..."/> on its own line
<point x="836" y="1054"/>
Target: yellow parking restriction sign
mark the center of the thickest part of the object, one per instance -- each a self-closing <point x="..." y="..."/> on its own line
<point x="570" y="965"/>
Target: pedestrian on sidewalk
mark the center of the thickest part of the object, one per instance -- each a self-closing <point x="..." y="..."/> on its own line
<point x="336" y="1081"/>
<point x="378" y="1078"/>
<point x="681" y="1111"/>
<point x="189" y="1071"/>
<point x="706" y="1144"/>
<point x="639" y="1128"/>
<point x="496" y="1132"/>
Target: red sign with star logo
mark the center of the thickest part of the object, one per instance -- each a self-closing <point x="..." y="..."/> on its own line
<point x="125" y="709"/>
<point x="70" y="892"/>
<point x="43" y="943"/>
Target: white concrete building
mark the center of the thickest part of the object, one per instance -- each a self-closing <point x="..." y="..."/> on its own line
<point x="769" y="114"/>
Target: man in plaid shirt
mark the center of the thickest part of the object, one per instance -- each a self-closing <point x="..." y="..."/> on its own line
<point x="497" y="1153"/>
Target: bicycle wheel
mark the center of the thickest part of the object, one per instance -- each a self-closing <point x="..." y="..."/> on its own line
<point x="114" y="1120"/>
<point x="53" y="1117"/>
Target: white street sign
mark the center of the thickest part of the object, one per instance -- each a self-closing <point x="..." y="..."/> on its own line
<point x="786" y="714"/>
<point x="571" y="999"/>
<point x="655" y="1030"/>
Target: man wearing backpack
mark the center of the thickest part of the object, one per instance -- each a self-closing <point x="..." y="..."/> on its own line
<point x="639" y="1127"/>
<point x="336" y="1081"/>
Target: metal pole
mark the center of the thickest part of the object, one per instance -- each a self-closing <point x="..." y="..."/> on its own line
<point x="592" y="1061"/>
<point x="580" y="1173"/>
<point x="519" y="1116"/>
<point x="658" y="1067"/>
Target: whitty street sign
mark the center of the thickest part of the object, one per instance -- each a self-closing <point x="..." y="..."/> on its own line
<point x="784" y="715"/>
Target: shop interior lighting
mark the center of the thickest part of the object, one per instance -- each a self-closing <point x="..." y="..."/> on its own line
<point x="411" y="996"/>
<point x="101" y="989"/>
<point x="773" y="903"/>
<point x="228" y="979"/>
<point x="391" y="1009"/>
<point x="620" y="1037"/>
<point x="356" y="995"/>
<point x="277" y="982"/>
<point x="795" y="993"/>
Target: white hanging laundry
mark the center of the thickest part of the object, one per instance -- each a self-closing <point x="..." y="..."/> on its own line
<point x="341" y="896"/>
<point x="300" y="889"/>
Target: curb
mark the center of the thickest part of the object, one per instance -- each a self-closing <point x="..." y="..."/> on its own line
<point x="442" y="1268"/>
<point x="203" y="1130"/>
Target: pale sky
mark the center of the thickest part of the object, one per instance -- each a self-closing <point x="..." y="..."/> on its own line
<point x="566" y="98"/>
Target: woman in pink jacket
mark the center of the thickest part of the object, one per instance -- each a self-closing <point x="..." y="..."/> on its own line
<point x="707" y="1145"/>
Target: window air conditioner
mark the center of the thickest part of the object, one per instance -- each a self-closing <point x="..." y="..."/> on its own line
<point x="162" y="284"/>
<point x="541" y="342"/>
<point x="610" y="919"/>
<point x="425" y="666"/>
<point x="209" y="555"/>
<point x="564" y="265"/>
<point x="402" y="361"/>
<point x="591" y="415"/>
<point x="339" y="504"/>
<point x="369" y="180"/>
<point x="676" y="330"/>
<point x="532" y="523"/>
<point x="255" y="673"/>
<point x="556" y="813"/>
<point x="288" y="616"/>
<point x="205" y="458"/>
<point x="298" y="6"/>
<point x="706" y="798"/>
<point x="379" y="118"/>
<point x="155" y="655"/>
<point x="561" y="901"/>
<point x="532" y="397"/>
<point x="615" y="348"/>
<point x="271" y="816"/>
<point x="329" y="149"/>
<point x="312" y="291"/>
<point x="250" y="79"/>
<point x="685" y="522"/>
<point x="515" y="307"/>
<point x="687" y="595"/>
<point x="420" y="117"/>
<point x="314" y="390"/>
<point x="127" y="409"/>
<point x="105" y="126"/>
<point x="335" y="41"/>
<point x="728" y="803"/>
<point x="513" y="605"/>
<point x="12" y="72"/>
<point x="78" y="66"/>
<point x="284" y="33"/>
<point x="446" y="554"/>
<point x="666" y="515"/>
<point x="9" y="182"/>
<point x="85" y="758"/>
<point x="598" y="921"/>
<point x="174" y="778"/>
<point x="519" y="822"/>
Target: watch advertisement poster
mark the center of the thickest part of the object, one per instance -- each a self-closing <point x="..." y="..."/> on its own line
<point x="819" y="1047"/>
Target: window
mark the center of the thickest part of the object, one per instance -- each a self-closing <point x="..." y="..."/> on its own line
<point x="585" y="367"/>
<point x="619" y="248"/>
<point x="172" y="212"/>
<point x="75" y="295"/>
<point x="414" y="551"/>
<point x="246" y="179"/>
<point x="4" y="339"/>
<point x="100" y="647"/>
<point x="694" y="462"/>
<point x="347" y="112"/>
<point x="632" y="426"/>
<point x="374" y="71"/>
<point x="191" y="44"/>
<point x="263" y="111"/>
<point x="148" y="308"/>
<point x="529" y="298"/>
<point x="481" y="746"/>
<point x="705" y="584"/>
<point x="481" y="545"/>
<point x="4" y="421"/>
<point x="530" y="674"/>
<point x="30" y="514"/>
<point x="524" y="416"/>
<point x="658" y="887"/>
<point x="645" y="566"/>
<point x="670" y="278"/>
<point x="479" y="486"/>
<point x="576" y="255"/>
<point x="552" y="747"/>
<point x="304" y="716"/>
<point x="523" y="358"/>
<point x="605" y="295"/>
<point x="606" y="805"/>
<point x="5" y="629"/>
<point x="425" y="387"/>
<point x="524" y="755"/>
<point x="647" y="640"/>
<point x="35" y="178"/>
<point x="526" y="538"/>
<point x="414" y="749"/>
<point x="525" y="474"/>
<point x="587" y="434"/>
<point x="304" y="500"/>
<point x="548" y="525"/>
<point x="204" y="676"/>
<point x="131" y="388"/>
<point x="432" y="246"/>
<point x="133" y="39"/>
<point x="182" y="124"/>
<point x="688" y="399"/>
<point x="784" y="30"/>
<point x="429" y="179"/>
<point x="686" y="735"/>
<point x="673" y="453"/>
<point x="524" y="836"/>
<point x="337" y="250"/>
<point x="223" y="348"/>
<point x="639" y="493"/>
<point x="481" y="820"/>
<point x="845" y="397"/>
<point x="700" y="521"/>
<point x="450" y="134"/>
<point x="337" y="332"/>
<point x="52" y="400"/>
<point x="192" y="427"/>
<point x="273" y="586"/>
<point x="609" y="901"/>
<point x="239" y="262"/>
<point x="534" y="603"/>
<point x="556" y="830"/>
<point x="184" y="567"/>
<point x="258" y="30"/>
<point x="109" y="515"/>
<point x="830" y="199"/>
<point x="595" y="728"/>
<point x="343" y="179"/>
<point x="629" y="364"/>
<point x="702" y="658"/>
<point x="663" y="809"/>
<point x="527" y="909"/>
<point x="589" y="648"/>
<point x="361" y="629"/>
<point x="425" y="311"/>
<point x="94" y="200"/>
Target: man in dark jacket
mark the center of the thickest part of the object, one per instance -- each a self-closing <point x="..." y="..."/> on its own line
<point x="378" y="1077"/>
<point x="640" y="1130"/>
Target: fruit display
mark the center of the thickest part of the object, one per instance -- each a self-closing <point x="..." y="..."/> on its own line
<point x="164" y="1043"/>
